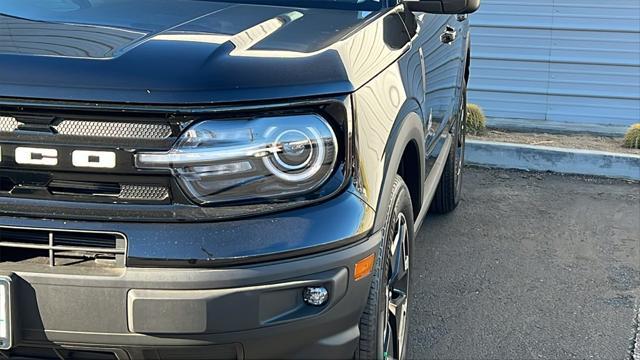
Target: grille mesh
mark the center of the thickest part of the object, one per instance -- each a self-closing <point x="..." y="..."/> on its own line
<point x="100" y="129"/>
<point x="114" y="130"/>
<point x="143" y="192"/>
<point x="8" y="124"/>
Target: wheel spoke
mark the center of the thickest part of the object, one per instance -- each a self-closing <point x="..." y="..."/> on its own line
<point x="397" y="290"/>
<point x="398" y="319"/>
<point x="399" y="252"/>
<point x="388" y="338"/>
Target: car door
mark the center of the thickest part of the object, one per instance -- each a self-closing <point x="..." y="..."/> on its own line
<point x="442" y="41"/>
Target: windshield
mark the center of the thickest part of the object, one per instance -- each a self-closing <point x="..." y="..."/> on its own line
<point x="26" y="6"/>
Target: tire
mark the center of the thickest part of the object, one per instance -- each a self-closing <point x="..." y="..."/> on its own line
<point x="392" y="264"/>
<point x="447" y="196"/>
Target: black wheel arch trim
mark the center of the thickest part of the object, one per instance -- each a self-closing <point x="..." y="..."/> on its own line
<point x="407" y="128"/>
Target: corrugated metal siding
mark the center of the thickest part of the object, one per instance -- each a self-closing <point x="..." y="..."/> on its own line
<point x="559" y="62"/>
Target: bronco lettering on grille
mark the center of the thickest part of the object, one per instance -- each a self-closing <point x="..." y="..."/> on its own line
<point x="49" y="157"/>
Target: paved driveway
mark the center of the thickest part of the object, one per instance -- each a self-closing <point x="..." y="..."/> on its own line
<point x="530" y="266"/>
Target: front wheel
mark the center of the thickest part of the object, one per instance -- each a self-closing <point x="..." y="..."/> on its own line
<point x="384" y="325"/>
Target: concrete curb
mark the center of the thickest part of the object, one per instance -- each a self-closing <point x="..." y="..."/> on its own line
<point x="560" y="160"/>
<point x="556" y="127"/>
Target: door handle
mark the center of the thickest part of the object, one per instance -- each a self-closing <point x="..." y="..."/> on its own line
<point x="449" y="35"/>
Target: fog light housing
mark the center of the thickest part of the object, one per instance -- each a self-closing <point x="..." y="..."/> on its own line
<point x="315" y="295"/>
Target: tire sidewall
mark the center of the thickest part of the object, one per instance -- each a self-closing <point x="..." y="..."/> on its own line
<point x="460" y="138"/>
<point x="400" y="202"/>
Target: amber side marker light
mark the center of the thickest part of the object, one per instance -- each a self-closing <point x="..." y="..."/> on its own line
<point x="364" y="267"/>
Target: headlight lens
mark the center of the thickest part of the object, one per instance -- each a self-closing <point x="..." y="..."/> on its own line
<point x="264" y="158"/>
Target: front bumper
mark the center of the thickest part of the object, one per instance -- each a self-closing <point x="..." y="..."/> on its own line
<point x="242" y="312"/>
<point x="230" y="289"/>
<point x="327" y="225"/>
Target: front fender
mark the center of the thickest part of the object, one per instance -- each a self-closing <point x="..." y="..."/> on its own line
<point x="387" y="118"/>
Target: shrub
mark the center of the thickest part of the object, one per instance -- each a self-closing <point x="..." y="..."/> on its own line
<point x="632" y="138"/>
<point x="476" y="121"/>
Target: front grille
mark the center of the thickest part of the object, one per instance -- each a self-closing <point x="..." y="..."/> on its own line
<point x="99" y="129"/>
<point x="61" y="247"/>
<point x="108" y="140"/>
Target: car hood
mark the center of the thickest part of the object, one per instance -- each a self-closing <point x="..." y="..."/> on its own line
<point x="187" y="51"/>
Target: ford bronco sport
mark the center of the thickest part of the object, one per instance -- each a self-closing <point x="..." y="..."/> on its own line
<point x="193" y="179"/>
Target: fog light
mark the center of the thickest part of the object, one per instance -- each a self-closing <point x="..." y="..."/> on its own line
<point x="315" y="296"/>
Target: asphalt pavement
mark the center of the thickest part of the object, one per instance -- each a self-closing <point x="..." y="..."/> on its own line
<point x="530" y="266"/>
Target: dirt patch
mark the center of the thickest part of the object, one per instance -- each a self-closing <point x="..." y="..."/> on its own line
<point x="585" y="142"/>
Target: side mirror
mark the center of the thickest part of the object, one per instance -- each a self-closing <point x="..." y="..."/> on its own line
<point x="444" y="6"/>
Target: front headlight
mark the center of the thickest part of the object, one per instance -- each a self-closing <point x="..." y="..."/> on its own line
<point x="263" y="158"/>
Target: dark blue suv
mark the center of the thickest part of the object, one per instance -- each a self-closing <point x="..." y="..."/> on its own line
<point x="193" y="179"/>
